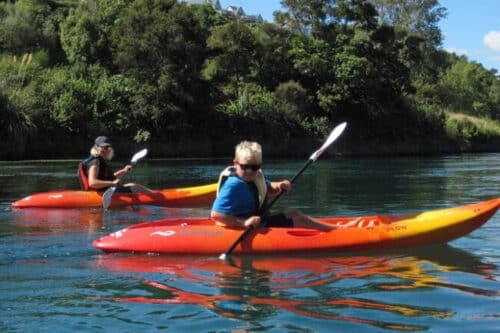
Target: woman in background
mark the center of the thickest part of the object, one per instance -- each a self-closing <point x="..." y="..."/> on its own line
<point x="95" y="173"/>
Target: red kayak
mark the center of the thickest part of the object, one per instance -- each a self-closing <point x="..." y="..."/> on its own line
<point x="202" y="236"/>
<point x="195" y="196"/>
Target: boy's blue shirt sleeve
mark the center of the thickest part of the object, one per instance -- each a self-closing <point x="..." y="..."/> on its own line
<point x="224" y="202"/>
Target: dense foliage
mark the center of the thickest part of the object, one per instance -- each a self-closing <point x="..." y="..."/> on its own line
<point x="162" y="71"/>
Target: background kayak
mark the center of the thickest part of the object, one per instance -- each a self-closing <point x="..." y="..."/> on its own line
<point x="201" y="236"/>
<point x="194" y="196"/>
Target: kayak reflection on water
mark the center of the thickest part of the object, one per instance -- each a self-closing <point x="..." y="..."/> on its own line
<point x="61" y="221"/>
<point x="255" y="288"/>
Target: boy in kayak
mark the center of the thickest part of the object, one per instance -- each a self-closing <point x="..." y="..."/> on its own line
<point x="95" y="173"/>
<point x="243" y="190"/>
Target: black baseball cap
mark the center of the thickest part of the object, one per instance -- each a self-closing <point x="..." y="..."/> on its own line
<point x="102" y="141"/>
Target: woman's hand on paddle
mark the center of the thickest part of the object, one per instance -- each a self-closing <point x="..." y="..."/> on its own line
<point x="252" y="221"/>
<point x="127" y="168"/>
<point x="120" y="173"/>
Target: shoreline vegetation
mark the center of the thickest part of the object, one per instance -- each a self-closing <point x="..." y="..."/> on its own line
<point x="192" y="80"/>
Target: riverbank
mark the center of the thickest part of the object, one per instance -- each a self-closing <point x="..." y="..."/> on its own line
<point x="75" y="147"/>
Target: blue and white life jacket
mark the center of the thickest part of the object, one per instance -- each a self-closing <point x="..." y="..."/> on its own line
<point x="260" y="183"/>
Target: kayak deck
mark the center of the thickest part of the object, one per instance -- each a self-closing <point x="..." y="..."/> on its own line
<point x="201" y="236"/>
<point x="194" y="196"/>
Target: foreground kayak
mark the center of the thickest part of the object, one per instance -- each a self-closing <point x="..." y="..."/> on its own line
<point x="201" y="236"/>
<point x="195" y="196"/>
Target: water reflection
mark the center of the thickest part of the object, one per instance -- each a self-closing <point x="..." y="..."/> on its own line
<point x="39" y="221"/>
<point x="325" y="287"/>
<point x="53" y="221"/>
<point x="390" y="185"/>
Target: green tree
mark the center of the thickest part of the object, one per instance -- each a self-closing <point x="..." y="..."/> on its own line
<point x="208" y="17"/>
<point x="416" y="21"/>
<point x="272" y="63"/>
<point x="162" y="46"/>
<point x="361" y="67"/>
<point x="312" y="59"/>
<point x="26" y="26"/>
<point x="66" y="103"/>
<point x="13" y="124"/>
<point x="325" y="18"/>
<point x="85" y="31"/>
<point x="495" y="98"/>
<point x="233" y="46"/>
<point x="80" y="37"/>
<point x="304" y="16"/>
<point x="165" y="70"/>
<point x="271" y="115"/>
<point x="421" y="16"/>
<point x="112" y="100"/>
<point x="296" y="108"/>
<point x="16" y="76"/>
<point x="469" y="88"/>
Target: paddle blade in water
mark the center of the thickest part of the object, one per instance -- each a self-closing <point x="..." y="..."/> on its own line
<point x="106" y="197"/>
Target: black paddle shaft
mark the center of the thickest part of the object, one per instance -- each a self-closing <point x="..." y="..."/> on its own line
<point x="132" y="164"/>
<point x="106" y="197"/>
<point x="297" y="175"/>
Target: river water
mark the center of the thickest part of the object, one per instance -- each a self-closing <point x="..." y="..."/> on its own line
<point x="53" y="280"/>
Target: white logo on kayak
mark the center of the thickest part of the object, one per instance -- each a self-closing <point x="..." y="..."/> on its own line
<point x="118" y="234"/>
<point x="163" y="233"/>
<point x="55" y="196"/>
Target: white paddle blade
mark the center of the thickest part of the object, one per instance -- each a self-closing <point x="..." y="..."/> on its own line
<point x="337" y="131"/>
<point x="139" y="155"/>
<point x="106" y="197"/>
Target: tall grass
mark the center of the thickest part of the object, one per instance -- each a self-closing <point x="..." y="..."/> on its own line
<point x="469" y="129"/>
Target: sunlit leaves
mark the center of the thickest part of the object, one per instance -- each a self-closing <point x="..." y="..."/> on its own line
<point x="468" y="87"/>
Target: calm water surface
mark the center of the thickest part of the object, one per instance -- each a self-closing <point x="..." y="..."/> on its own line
<point x="52" y="280"/>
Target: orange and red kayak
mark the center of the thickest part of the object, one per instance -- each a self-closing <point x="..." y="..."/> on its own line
<point x="195" y="196"/>
<point x="202" y="236"/>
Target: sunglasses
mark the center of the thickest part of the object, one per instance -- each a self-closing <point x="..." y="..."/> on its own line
<point x="253" y="167"/>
